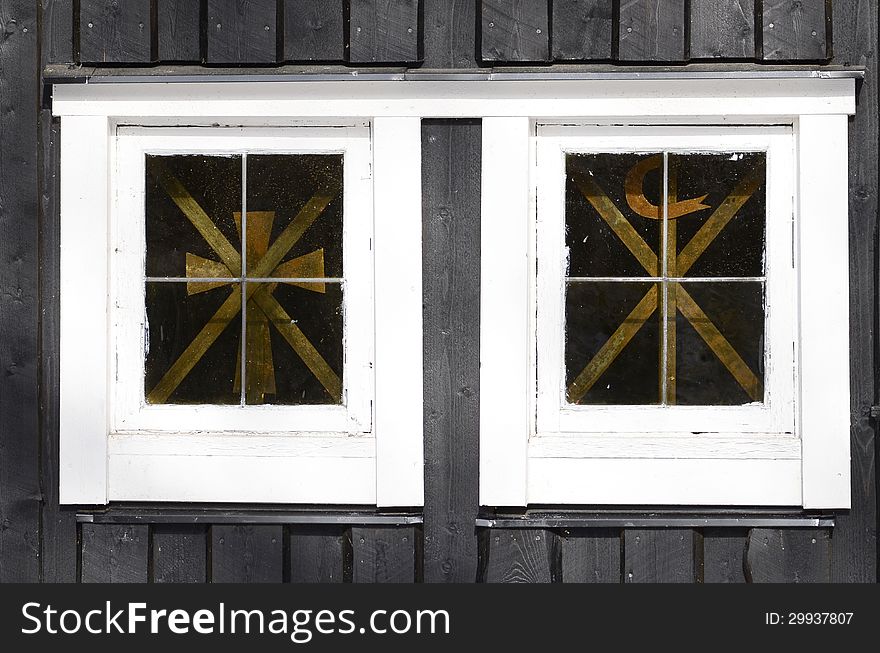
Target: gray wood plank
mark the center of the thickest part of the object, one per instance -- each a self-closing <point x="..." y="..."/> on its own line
<point x="57" y="38"/>
<point x="114" y="553"/>
<point x="178" y="23"/>
<point x="582" y="29"/>
<point x="451" y="164"/>
<point x="450" y="34"/>
<point x="515" y="31"/>
<point x="383" y="554"/>
<point x="313" y="30"/>
<point x="659" y="556"/>
<point x="652" y="30"/>
<point x="591" y="556"/>
<point x="247" y="554"/>
<point x="115" y="31"/>
<point x="794" y="30"/>
<point x="384" y="31"/>
<point x="789" y="556"/>
<point x="722" y="29"/>
<point x="520" y="556"/>
<point x="723" y="555"/>
<point x="179" y="553"/>
<point x="854" y="550"/>
<point x="241" y="31"/>
<point x="318" y="554"/>
<point x="19" y="293"/>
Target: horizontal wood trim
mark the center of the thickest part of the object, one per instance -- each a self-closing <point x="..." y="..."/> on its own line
<point x="715" y="446"/>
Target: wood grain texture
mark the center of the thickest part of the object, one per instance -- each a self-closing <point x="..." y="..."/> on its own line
<point x="795" y="30"/>
<point x="789" y="556"/>
<point x="515" y="31"/>
<point x="659" y="556"/>
<point x="318" y="554"/>
<point x="180" y="553"/>
<point x="115" y="31"/>
<point x="383" y="554"/>
<point x="652" y="30"/>
<point x="582" y="29"/>
<point x="723" y="555"/>
<point x="57" y="38"/>
<point x="520" y="556"/>
<point x="450" y="34"/>
<point x="451" y="168"/>
<point x="722" y="29"/>
<point x="313" y="30"/>
<point x="854" y="550"/>
<point x="114" y="553"/>
<point x="241" y="32"/>
<point x="19" y="293"/>
<point x="247" y="554"/>
<point x="384" y="31"/>
<point x="591" y="556"/>
<point x="178" y="23"/>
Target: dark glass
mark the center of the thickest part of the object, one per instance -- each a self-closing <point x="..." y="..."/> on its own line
<point x="593" y="312"/>
<point x="738" y="249"/>
<point x="214" y="183"/>
<point x="594" y="249"/>
<point x="736" y="309"/>
<point x="279" y="186"/>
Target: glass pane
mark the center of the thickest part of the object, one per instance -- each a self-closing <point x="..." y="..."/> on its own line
<point x="612" y="344"/>
<point x="192" y="343"/>
<point x="721" y="197"/>
<point x="612" y="214"/>
<point x="719" y="341"/>
<point x="183" y="191"/>
<point x="296" y="198"/>
<point x="294" y="344"/>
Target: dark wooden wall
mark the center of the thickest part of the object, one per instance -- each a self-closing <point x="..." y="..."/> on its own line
<point x="40" y="540"/>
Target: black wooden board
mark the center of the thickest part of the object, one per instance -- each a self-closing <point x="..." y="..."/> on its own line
<point x="723" y="555"/>
<point x="314" y="30"/>
<point x="451" y="162"/>
<point x="115" y="553"/>
<point x="384" y="31"/>
<point x="582" y="29"/>
<point x="241" y="32"/>
<point x="247" y="554"/>
<point x="520" y="556"/>
<point x="450" y="34"/>
<point x="788" y="556"/>
<point x="659" y="556"/>
<point x="652" y="30"/>
<point x="722" y="29"/>
<point x="383" y="554"/>
<point x="319" y="554"/>
<point x="515" y="31"/>
<point x="57" y="39"/>
<point x="591" y="556"/>
<point x="179" y="553"/>
<point x="178" y="23"/>
<point x="795" y="30"/>
<point x="115" y="31"/>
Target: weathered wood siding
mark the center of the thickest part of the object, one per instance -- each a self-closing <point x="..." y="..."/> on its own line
<point x="40" y="540"/>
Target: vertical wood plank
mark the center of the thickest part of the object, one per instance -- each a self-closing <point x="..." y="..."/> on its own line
<point x="19" y="293"/>
<point x="384" y="31"/>
<point x="451" y="162"/>
<point x="318" y="554"/>
<point x="795" y="30"/>
<point x="652" y="30"/>
<point x="115" y="31"/>
<point x="659" y="556"/>
<point x="247" y="554"/>
<point x="241" y="31"/>
<point x="591" y="556"/>
<point x="383" y="554"/>
<point x="515" y="31"/>
<point x="789" y="556"/>
<point x="179" y="30"/>
<point x="854" y="550"/>
<point x="114" y="553"/>
<point x="582" y="29"/>
<point x="179" y="553"/>
<point x="313" y="30"/>
<point x="450" y="34"/>
<point x="722" y="29"/>
<point x="723" y="555"/>
<point x="520" y="556"/>
<point x="57" y="38"/>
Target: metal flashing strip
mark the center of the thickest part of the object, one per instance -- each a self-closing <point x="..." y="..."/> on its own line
<point x="247" y="517"/>
<point x="658" y="521"/>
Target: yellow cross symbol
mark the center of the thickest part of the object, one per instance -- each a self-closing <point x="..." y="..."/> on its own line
<point x="264" y="261"/>
<point x="677" y="265"/>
